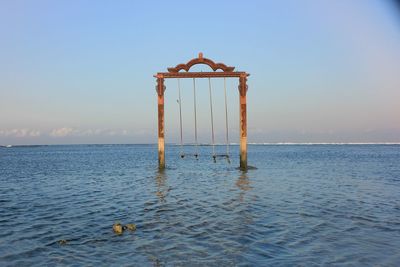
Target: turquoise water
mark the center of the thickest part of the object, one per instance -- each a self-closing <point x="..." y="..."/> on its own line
<point x="304" y="205"/>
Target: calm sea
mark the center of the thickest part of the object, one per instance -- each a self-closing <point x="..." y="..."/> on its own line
<point x="304" y="205"/>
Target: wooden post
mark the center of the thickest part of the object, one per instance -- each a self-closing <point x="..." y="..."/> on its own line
<point x="160" y="88"/>
<point x="243" y="121"/>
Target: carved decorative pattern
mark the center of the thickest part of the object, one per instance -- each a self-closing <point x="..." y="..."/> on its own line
<point x="209" y="74"/>
<point x="201" y="60"/>
<point x="243" y="118"/>
<point x="160" y="87"/>
<point x="161" y="120"/>
<point x="242" y="85"/>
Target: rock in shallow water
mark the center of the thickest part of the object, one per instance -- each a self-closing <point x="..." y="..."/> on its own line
<point x="117" y="228"/>
<point x="62" y="242"/>
<point x="131" y="226"/>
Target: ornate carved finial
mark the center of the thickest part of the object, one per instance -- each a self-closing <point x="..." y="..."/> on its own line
<point x="201" y="60"/>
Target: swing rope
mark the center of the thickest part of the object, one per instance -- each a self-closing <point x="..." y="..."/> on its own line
<point x="226" y="123"/>
<point x="195" y="119"/>
<point x="214" y="155"/>
<point x="212" y="120"/>
<point x="180" y="118"/>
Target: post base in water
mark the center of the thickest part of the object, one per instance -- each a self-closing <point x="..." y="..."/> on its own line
<point x="247" y="168"/>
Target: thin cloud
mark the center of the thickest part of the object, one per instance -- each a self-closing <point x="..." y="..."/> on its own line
<point x="61" y="132"/>
<point x="67" y="131"/>
<point x="19" y="133"/>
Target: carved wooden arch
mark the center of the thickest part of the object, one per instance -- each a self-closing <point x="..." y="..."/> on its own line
<point x="201" y="60"/>
<point x="227" y="72"/>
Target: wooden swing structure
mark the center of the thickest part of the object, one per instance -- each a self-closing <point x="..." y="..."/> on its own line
<point x="220" y="70"/>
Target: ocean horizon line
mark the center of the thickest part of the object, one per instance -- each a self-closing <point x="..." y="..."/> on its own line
<point x="208" y="144"/>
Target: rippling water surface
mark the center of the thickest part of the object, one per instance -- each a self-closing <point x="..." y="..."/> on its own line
<point x="304" y="204"/>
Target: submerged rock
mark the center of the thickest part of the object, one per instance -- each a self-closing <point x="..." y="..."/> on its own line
<point x="131" y="226"/>
<point x="62" y="242"/>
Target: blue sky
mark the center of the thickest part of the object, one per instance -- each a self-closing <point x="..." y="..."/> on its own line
<point x="80" y="72"/>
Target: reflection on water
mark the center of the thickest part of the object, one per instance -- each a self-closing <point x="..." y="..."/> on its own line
<point x="306" y="205"/>
<point x="162" y="187"/>
<point x="243" y="183"/>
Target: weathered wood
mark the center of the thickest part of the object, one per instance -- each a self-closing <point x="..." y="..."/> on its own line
<point x="243" y="122"/>
<point x="201" y="60"/>
<point x="160" y="88"/>
<point x="217" y="74"/>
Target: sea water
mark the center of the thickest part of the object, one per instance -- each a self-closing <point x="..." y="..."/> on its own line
<point x="304" y="205"/>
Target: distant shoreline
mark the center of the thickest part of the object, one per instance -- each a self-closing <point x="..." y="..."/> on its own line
<point x="206" y="144"/>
